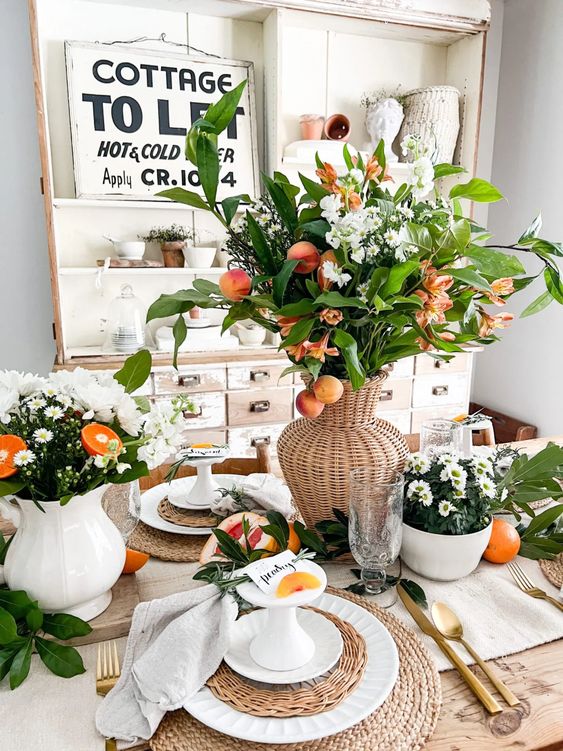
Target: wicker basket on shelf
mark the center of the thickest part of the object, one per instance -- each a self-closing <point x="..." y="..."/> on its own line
<point x="316" y="456"/>
<point x="433" y="114"/>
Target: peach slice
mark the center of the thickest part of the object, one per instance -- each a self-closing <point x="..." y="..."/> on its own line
<point x="297" y="582"/>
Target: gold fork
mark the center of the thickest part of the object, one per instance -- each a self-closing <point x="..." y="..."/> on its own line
<point x="529" y="587"/>
<point x="107" y="675"/>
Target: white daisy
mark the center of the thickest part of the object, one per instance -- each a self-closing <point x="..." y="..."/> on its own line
<point x="23" y="458"/>
<point x="392" y="237"/>
<point x="35" y="403"/>
<point x="372" y="250"/>
<point x="50" y="390"/>
<point x="487" y="487"/>
<point x="445" y="508"/>
<point x="448" y="457"/>
<point x="362" y="291"/>
<point x="417" y="487"/>
<point x="426" y="498"/>
<point x="55" y="413"/>
<point x="42" y="435"/>
<point x="419" y="463"/>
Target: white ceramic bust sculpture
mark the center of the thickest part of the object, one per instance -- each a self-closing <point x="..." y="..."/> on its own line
<point x="383" y="120"/>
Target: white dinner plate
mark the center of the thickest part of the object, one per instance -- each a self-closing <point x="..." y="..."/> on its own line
<point x="376" y="684"/>
<point x="328" y="648"/>
<point x="152" y="497"/>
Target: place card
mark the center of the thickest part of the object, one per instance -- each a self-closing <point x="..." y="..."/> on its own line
<point x="267" y="572"/>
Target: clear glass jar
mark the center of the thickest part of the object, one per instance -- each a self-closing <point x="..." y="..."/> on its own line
<point x="126" y="329"/>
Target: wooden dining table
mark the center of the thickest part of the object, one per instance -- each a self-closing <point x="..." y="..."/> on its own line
<point x="535" y="676"/>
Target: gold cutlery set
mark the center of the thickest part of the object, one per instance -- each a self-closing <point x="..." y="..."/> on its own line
<point x="447" y="627"/>
<point x="108" y="671"/>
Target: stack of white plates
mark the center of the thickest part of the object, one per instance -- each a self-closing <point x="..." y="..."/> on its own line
<point x="128" y="338"/>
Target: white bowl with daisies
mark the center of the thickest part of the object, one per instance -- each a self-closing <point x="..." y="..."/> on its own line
<point x="62" y="440"/>
<point x="448" y="512"/>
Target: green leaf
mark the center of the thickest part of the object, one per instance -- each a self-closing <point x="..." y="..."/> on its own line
<point x="534" y="552"/>
<point x="61" y="660"/>
<point x="261" y="246"/>
<point x="283" y="204"/>
<point x="494" y="263"/>
<point x="180" y="331"/>
<point x="414" y="591"/>
<point x="470" y="277"/>
<point x="222" y="112"/>
<point x="378" y="278"/>
<point x="230" y="206"/>
<point x="415" y="234"/>
<point x="208" y="167"/>
<point x="347" y="157"/>
<point x="16" y="602"/>
<point x="315" y="190"/>
<point x="206" y="287"/>
<point x="21" y="663"/>
<point x="8" y="627"/>
<point x="280" y="281"/>
<point x="11" y="487"/>
<point x="349" y="348"/>
<point x="444" y="169"/>
<point x="553" y="284"/>
<point x="477" y="190"/>
<point x="4" y="547"/>
<point x="138" y="469"/>
<point x="333" y="299"/>
<point x="538" y="304"/>
<point x="309" y="539"/>
<point x="531" y="232"/>
<point x="397" y="276"/>
<point x="301" y="308"/>
<point x="7" y="655"/>
<point x="180" y="302"/>
<point x="380" y="154"/>
<point x="34" y="619"/>
<point x="543" y="521"/>
<point x="187" y="197"/>
<point x="135" y="371"/>
<point x="317" y="227"/>
<point x="299" y="332"/>
<point x="460" y="232"/>
<point x="64" y="626"/>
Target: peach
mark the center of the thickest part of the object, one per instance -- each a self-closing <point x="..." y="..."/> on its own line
<point x="308" y="405"/>
<point x="307" y="254"/>
<point x="328" y="389"/>
<point x="297" y="582"/>
<point x="235" y="284"/>
<point x="324" y="283"/>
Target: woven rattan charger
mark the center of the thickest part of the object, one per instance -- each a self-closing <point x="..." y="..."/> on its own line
<point x="553" y="570"/>
<point x="301" y="699"/>
<point x="185" y="517"/>
<point x="166" y="545"/>
<point x="404" y="722"/>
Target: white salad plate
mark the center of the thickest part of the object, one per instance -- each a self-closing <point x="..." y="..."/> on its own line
<point x="328" y="648"/>
<point x="376" y="684"/>
<point x="152" y="497"/>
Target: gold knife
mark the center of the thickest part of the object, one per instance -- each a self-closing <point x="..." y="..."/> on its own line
<point x="484" y="696"/>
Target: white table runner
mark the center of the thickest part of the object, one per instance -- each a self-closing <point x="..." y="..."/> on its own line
<point x="54" y="714"/>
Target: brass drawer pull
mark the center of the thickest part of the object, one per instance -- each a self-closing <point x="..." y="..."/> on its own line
<point x="189" y="380"/>
<point x="440" y="390"/>
<point x="386" y="396"/>
<point x="259" y="375"/>
<point x="263" y="406"/>
<point x="439" y="363"/>
<point x="192" y="415"/>
<point x="264" y="440"/>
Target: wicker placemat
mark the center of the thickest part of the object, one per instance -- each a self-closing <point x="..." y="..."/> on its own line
<point x="404" y="722"/>
<point x="553" y="570"/>
<point x="298" y="699"/>
<point x="185" y="517"/>
<point x="166" y="545"/>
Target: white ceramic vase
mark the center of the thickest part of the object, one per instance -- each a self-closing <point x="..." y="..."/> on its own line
<point x="66" y="557"/>
<point x="199" y="258"/>
<point x="443" y="557"/>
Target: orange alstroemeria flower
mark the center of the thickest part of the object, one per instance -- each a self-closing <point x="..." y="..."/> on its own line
<point x="327" y="175"/>
<point x="434" y="282"/>
<point x="319" y="349"/>
<point x="297" y="351"/>
<point x="331" y="316"/>
<point x="354" y="201"/>
<point x="490" y="323"/>
<point x="504" y="286"/>
<point x="373" y="168"/>
<point x="434" y="308"/>
<point x="286" y="323"/>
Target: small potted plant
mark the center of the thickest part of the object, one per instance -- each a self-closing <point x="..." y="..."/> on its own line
<point x="450" y="502"/>
<point x="172" y="242"/>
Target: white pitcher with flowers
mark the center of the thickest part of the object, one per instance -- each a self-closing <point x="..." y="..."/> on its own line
<point x="62" y="440"/>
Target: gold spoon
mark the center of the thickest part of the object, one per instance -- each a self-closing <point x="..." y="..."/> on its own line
<point x="450" y="626"/>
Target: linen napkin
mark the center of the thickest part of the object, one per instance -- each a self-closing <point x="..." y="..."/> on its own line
<point x="261" y="491"/>
<point x="174" y="646"/>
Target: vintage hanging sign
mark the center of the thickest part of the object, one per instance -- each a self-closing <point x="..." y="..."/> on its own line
<point x="130" y="110"/>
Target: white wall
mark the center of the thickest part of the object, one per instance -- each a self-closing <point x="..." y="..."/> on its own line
<point x="26" y="313"/>
<point x="522" y="375"/>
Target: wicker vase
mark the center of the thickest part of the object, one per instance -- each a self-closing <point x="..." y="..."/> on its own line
<point x="316" y="456"/>
<point x="433" y="114"/>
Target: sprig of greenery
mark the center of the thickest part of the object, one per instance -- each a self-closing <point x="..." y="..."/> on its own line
<point x="168" y="234"/>
<point x="412" y="588"/>
<point x="23" y="627"/>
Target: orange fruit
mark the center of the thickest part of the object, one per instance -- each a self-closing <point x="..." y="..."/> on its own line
<point x="293" y="542"/>
<point x="504" y="543"/>
<point x="328" y="389"/>
<point x="297" y="582"/>
<point x="96" y="439"/>
<point x="134" y="560"/>
<point x="9" y="445"/>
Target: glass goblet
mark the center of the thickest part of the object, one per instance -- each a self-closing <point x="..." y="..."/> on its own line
<point x="122" y="503"/>
<point x="375" y="529"/>
<point x="441" y="436"/>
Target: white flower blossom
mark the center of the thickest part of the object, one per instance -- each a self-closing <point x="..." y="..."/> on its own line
<point x="121" y="467"/>
<point x="487" y="487"/>
<point x="35" y="402"/>
<point x="445" y="508"/>
<point x="421" y="176"/>
<point x="9" y="400"/>
<point x="448" y="457"/>
<point x="335" y="274"/>
<point x="54" y="413"/>
<point x="391" y="237"/>
<point x="42" y="435"/>
<point x="23" y="458"/>
<point x="362" y="291"/>
<point x="419" y="463"/>
<point x="25" y="384"/>
<point x="358" y="255"/>
<point x="331" y="206"/>
<point x="102" y="460"/>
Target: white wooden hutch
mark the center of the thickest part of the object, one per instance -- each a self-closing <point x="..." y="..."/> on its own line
<point x="309" y="56"/>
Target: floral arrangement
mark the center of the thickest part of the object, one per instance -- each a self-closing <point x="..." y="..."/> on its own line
<point x="354" y="276"/>
<point x="67" y="434"/>
<point x="168" y="234"/>
<point x="451" y="495"/>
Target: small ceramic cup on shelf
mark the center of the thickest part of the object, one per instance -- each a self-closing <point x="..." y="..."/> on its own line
<point x="311" y="127"/>
<point x="337" y="128"/>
